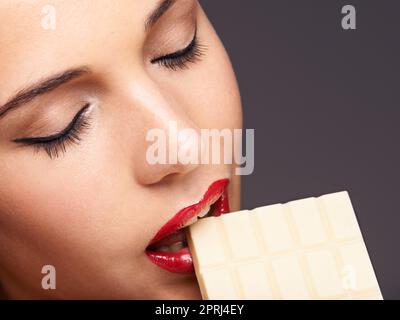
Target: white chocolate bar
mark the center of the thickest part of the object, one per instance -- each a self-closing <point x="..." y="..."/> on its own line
<point x="305" y="249"/>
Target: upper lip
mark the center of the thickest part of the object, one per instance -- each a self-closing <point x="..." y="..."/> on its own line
<point x="213" y="193"/>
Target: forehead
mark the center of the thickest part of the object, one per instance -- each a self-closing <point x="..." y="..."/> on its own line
<point x="36" y="33"/>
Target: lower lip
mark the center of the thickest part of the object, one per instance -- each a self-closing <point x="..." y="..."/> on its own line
<point x="177" y="262"/>
<point x="181" y="261"/>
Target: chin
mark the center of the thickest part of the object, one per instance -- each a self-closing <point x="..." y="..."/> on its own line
<point x="183" y="289"/>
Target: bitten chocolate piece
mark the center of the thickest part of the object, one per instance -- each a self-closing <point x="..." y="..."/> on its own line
<point x="305" y="249"/>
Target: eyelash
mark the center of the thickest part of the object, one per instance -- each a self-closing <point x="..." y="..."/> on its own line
<point x="181" y="59"/>
<point x="57" y="143"/>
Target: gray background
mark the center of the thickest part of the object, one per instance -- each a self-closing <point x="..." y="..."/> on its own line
<point x="325" y="104"/>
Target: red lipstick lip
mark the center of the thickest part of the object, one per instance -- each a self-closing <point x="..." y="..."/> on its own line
<point x="215" y="191"/>
<point x="181" y="261"/>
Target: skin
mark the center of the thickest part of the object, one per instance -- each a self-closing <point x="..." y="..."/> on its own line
<point x="92" y="211"/>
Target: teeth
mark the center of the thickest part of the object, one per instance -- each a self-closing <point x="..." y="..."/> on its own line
<point x="203" y="212"/>
<point x="172" y="248"/>
<point x="191" y="221"/>
<point x="164" y="249"/>
<point x="176" y="247"/>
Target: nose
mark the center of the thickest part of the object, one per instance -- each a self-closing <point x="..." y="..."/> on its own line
<point x="170" y="140"/>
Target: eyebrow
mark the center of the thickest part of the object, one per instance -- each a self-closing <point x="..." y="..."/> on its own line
<point x="161" y="9"/>
<point x="44" y="86"/>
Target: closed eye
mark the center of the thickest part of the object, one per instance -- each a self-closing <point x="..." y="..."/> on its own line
<point x="182" y="58"/>
<point x="56" y="143"/>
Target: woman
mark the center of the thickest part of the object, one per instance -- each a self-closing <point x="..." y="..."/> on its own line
<point x="82" y="210"/>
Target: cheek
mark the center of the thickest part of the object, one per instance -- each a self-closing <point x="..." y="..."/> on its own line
<point x="217" y="97"/>
<point x="64" y="205"/>
<point x="215" y="85"/>
<point x="43" y="204"/>
<point x="207" y="90"/>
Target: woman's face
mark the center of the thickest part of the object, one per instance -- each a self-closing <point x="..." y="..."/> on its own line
<point x="76" y="189"/>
